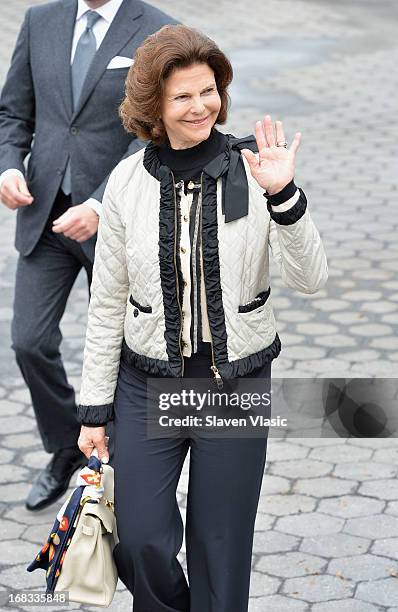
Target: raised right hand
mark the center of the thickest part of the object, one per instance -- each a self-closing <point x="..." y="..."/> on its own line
<point x="14" y="192"/>
<point x="93" y="437"/>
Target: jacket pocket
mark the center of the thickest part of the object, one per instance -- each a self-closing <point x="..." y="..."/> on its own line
<point x="138" y="306"/>
<point x="258" y="301"/>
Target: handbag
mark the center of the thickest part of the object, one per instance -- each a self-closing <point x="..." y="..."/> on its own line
<point x="78" y="553"/>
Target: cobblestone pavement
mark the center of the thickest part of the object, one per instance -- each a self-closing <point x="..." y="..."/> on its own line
<point x="327" y="528"/>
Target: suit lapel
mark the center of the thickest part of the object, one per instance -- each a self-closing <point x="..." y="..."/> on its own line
<point x="124" y="26"/>
<point x="61" y="46"/>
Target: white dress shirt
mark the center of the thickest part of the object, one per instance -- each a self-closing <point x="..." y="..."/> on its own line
<point x="108" y="12"/>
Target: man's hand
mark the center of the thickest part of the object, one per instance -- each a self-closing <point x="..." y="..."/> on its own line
<point x="78" y="223"/>
<point x="14" y="192"/>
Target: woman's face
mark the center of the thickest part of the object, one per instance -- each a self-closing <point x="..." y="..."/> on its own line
<point x="190" y="105"/>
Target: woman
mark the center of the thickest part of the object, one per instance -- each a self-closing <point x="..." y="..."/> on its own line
<point x="181" y="289"/>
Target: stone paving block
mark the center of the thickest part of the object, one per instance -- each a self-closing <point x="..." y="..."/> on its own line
<point x="375" y="443"/>
<point x="261" y="584"/>
<point x="8" y="408"/>
<point x="9" y="530"/>
<point x="309" y="524"/>
<point x="20" y="395"/>
<point x="341" y="454"/>
<point x="20" y="514"/>
<point x="297" y="467"/>
<point x="13" y="473"/>
<point x="291" y="564"/>
<point x="383" y="489"/>
<point x="264" y="521"/>
<point x="392" y="508"/>
<point x="364" y="567"/>
<point x="13" y="492"/>
<point x="292" y="339"/>
<point x="387" y="547"/>
<point x="316" y="442"/>
<point x="318" y="588"/>
<point x="274" y="484"/>
<point x="276" y="603"/>
<point x="390" y="318"/>
<point x="305" y="352"/>
<point x="324" y="487"/>
<point x="20" y="441"/>
<point x="378" y="526"/>
<point x="17" y="551"/>
<point x="348" y="317"/>
<point x="388" y="456"/>
<point x="38" y="534"/>
<point x="335" y="340"/>
<point x="281" y="505"/>
<point x="380" y="308"/>
<point x="351" y="506"/>
<point x="6" y="456"/>
<point x="381" y="592"/>
<point x="369" y="330"/>
<point x="359" y="355"/>
<point x="345" y="605"/>
<point x="316" y="329"/>
<point x="335" y="545"/>
<point x="273" y="541"/>
<point x="363" y="472"/>
<point x="16" y="577"/>
<point x="292" y="316"/>
<point x="37" y="459"/>
<point x="121" y="602"/>
<point x="15" y="424"/>
<point x="277" y="451"/>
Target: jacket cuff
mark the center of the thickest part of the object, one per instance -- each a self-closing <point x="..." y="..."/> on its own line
<point x="282" y="196"/>
<point x="291" y="215"/>
<point x="95" y="415"/>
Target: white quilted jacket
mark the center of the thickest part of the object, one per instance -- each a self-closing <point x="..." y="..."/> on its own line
<point x="134" y="291"/>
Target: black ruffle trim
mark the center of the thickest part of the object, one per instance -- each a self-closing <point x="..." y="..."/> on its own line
<point x="282" y="196"/>
<point x="156" y="367"/>
<point x="288" y="217"/>
<point x="95" y="414"/>
<point x="211" y="270"/>
<point x="246" y="365"/>
<point x="167" y="258"/>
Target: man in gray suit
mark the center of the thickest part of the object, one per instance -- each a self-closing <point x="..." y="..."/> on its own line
<point x="60" y="104"/>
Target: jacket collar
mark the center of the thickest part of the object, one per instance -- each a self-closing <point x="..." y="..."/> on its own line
<point x="228" y="165"/>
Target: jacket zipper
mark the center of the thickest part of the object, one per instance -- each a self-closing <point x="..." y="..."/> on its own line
<point x="213" y="367"/>
<point x="176" y="271"/>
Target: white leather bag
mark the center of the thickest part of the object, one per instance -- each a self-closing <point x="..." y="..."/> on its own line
<point x="88" y="570"/>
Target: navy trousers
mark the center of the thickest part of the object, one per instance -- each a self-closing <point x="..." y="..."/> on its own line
<point x="225" y="477"/>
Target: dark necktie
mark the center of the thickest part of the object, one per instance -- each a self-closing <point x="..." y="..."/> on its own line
<point x="84" y="54"/>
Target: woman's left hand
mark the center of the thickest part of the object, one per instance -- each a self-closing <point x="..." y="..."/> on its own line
<point x="273" y="169"/>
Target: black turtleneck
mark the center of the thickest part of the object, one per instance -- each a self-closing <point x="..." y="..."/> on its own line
<point x="187" y="164"/>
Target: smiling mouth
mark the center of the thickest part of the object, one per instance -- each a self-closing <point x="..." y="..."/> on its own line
<point x="198" y="121"/>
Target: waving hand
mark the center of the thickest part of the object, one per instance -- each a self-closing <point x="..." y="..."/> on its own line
<point x="274" y="167"/>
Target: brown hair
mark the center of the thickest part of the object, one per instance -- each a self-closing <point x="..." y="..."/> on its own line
<point x="173" y="46"/>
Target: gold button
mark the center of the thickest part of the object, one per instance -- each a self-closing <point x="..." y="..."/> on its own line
<point x="185" y="283"/>
<point x="183" y="250"/>
<point x="191" y="185"/>
<point x="184" y="344"/>
<point x="186" y="218"/>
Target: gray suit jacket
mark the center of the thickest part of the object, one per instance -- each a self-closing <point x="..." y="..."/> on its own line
<point x="36" y="101"/>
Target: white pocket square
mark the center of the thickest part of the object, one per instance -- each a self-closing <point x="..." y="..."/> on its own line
<point x="120" y="62"/>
